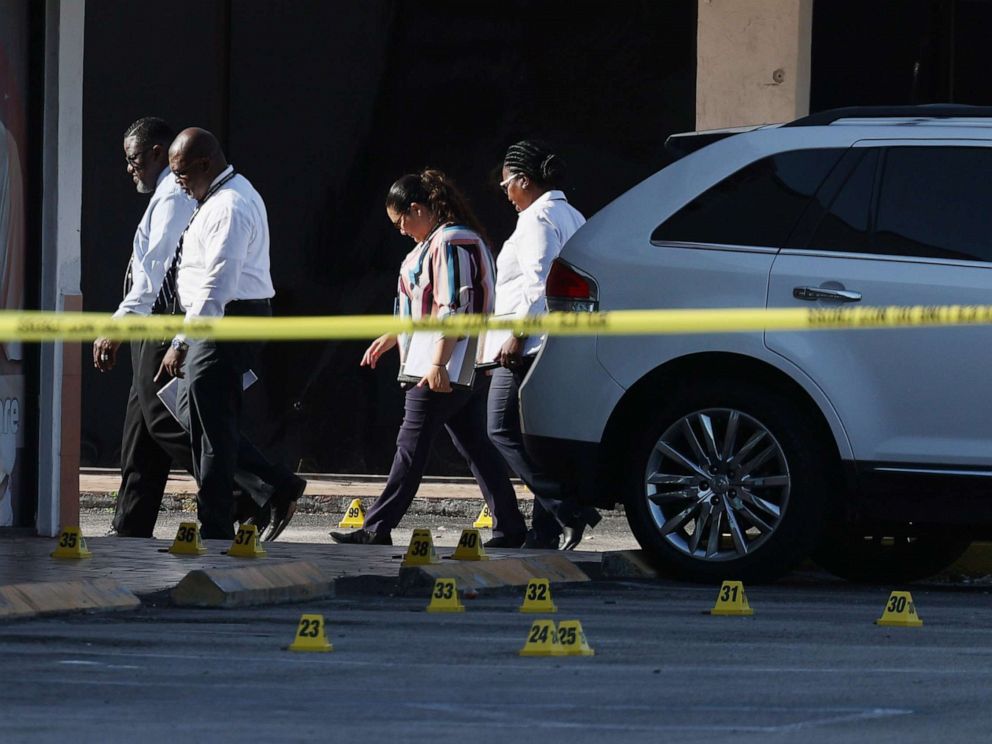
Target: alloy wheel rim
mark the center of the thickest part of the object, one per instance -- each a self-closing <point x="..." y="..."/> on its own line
<point x="717" y="484"/>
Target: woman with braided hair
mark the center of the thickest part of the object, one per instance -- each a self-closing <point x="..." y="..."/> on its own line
<point x="532" y="174"/>
<point x="450" y="270"/>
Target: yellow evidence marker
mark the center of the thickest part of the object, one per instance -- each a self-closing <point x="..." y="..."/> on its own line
<point x="900" y="612"/>
<point x="444" y="598"/>
<point x="485" y="519"/>
<point x="310" y="635"/>
<point x="421" y="551"/>
<point x="542" y="640"/>
<point x="572" y="639"/>
<point x="731" y="600"/>
<point x="187" y="540"/>
<point x="470" y="547"/>
<point x="245" y="543"/>
<point x="354" y="516"/>
<point x="537" y="597"/>
<point x="71" y="544"/>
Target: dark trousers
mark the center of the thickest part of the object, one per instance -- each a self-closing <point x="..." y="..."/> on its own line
<point x="463" y="414"/>
<point x="153" y="441"/>
<point x="552" y="509"/>
<point x="210" y="398"/>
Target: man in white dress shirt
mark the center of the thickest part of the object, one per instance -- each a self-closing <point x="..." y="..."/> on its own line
<point x="152" y="438"/>
<point x="150" y="433"/>
<point x="223" y="270"/>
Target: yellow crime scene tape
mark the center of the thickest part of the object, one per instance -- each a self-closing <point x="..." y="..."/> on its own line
<point x="51" y="326"/>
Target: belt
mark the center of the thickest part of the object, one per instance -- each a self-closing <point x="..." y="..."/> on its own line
<point x="255" y="303"/>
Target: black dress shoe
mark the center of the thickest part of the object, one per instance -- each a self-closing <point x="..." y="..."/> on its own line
<point x="261" y="518"/>
<point x="572" y="533"/>
<point x="362" y="537"/>
<point x="541" y="542"/>
<point x="282" y="506"/>
<point x="246" y="511"/>
<point x="505" y="541"/>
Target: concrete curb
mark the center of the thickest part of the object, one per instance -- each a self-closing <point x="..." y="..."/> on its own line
<point x="56" y="597"/>
<point x="246" y="586"/>
<point x="492" y="574"/>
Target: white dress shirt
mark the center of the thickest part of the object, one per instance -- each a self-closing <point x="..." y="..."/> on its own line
<point x="155" y="243"/>
<point x="226" y="251"/>
<point x="523" y="265"/>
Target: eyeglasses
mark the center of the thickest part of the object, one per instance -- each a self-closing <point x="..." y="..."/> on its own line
<point x="398" y="222"/>
<point x="505" y="183"/>
<point x="184" y="174"/>
<point x="132" y="160"/>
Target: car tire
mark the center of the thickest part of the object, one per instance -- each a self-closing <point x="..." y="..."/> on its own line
<point x="881" y="558"/>
<point x="798" y="449"/>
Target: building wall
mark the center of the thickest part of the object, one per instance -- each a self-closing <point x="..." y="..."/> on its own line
<point x="753" y="62"/>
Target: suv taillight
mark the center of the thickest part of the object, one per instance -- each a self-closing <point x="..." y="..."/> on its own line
<point x="569" y="290"/>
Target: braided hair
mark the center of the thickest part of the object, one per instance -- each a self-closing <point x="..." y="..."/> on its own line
<point x="151" y="130"/>
<point x="534" y="159"/>
<point x="437" y="191"/>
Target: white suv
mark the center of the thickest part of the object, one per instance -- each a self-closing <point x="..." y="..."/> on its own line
<point x="737" y="455"/>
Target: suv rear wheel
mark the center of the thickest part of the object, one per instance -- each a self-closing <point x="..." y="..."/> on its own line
<point x="728" y="482"/>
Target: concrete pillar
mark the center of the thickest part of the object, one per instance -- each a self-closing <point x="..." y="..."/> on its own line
<point x="752" y="61"/>
<point x="62" y="166"/>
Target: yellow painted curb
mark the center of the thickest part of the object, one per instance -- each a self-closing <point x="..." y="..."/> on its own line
<point x="55" y="597"/>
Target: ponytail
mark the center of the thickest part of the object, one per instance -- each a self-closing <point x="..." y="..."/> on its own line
<point x="439" y="193"/>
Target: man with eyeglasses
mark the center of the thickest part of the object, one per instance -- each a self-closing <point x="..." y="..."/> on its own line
<point x="223" y="270"/>
<point x="148" y="426"/>
<point x="153" y="440"/>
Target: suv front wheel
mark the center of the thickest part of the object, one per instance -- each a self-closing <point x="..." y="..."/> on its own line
<point x="728" y="483"/>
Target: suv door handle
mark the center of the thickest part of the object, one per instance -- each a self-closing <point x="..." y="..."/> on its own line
<point x="812" y="294"/>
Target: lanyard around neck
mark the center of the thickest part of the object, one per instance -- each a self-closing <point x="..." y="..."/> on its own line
<point x="215" y="188"/>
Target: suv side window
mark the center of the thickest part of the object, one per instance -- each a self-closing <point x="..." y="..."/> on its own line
<point x="758" y="205"/>
<point x="934" y="202"/>
<point x="846" y="220"/>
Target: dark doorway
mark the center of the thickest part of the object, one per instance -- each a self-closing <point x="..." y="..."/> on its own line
<point x="876" y="52"/>
<point x="322" y="104"/>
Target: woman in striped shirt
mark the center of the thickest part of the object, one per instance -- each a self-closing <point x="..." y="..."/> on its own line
<point x="450" y="270"/>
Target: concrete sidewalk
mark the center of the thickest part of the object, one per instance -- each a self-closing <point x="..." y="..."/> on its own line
<point x="124" y="572"/>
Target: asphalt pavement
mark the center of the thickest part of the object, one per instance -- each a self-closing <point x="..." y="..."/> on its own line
<point x="810" y="665"/>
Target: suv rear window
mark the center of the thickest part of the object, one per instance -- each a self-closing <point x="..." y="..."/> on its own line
<point x="758" y="205"/>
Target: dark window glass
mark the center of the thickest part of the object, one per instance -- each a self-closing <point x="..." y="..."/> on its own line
<point x="936" y="202"/>
<point x="845" y="223"/>
<point x="759" y="205"/>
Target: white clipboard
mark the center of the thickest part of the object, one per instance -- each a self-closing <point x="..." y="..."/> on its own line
<point x="419" y="358"/>
<point x="169" y="392"/>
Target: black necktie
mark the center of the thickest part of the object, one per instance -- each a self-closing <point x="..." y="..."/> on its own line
<point x="167" y="301"/>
